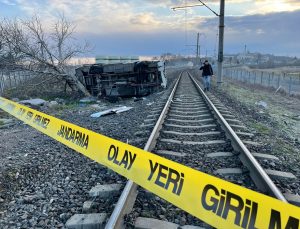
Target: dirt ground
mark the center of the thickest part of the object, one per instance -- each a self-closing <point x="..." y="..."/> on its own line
<point x="275" y="121"/>
<point x="283" y="109"/>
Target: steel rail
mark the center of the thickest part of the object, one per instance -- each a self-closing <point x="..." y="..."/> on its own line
<point x="128" y="196"/>
<point x="257" y="173"/>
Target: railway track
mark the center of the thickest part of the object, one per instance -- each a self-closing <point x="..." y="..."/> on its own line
<point x="199" y="132"/>
<point x="192" y="128"/>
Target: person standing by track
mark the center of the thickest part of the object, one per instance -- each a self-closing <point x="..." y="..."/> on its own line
<point x="207" y="73"/>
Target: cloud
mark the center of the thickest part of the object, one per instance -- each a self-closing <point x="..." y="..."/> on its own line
<point x="260" y="31"/>
<point x="275" y="33"/>
<point x="144" y="19"/>
<point x="144" y="43"/>
<point x="113" y="16"/>
<point x="269" y="6"/>
<point x="8" y="2"/>
<point x="150" y="26"/>
<point x="96" y="16"/>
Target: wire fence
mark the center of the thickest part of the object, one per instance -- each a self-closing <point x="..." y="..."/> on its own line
<point x="10" y="79"/>
<point x="288" y="82"/>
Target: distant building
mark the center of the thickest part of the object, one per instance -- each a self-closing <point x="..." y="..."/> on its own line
<point x="77" y="61"/>
<point x="116" y="59"/>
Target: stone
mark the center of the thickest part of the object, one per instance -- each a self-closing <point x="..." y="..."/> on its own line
<point x="29" y="199"/>
<point x="87" y="221"/>
<point x="149" y="223"/>
<point x="104" y="191"/>
<point x="60" y="101"/>
<point x="34" y="102"/>
<point x="96" y="106"/>
<point x="88" y="100"/>
<point x="262" y="104"/>
<point x="52" y="104"/>
<point x="87" y="206"/>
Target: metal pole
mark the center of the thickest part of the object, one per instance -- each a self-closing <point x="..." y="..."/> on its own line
<point x="1" y="83"/>
<point x="221" y="41"/>
<point x="290" y="85"/>
<point x="197" y="52"/>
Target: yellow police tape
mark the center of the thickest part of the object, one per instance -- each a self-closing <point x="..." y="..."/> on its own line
<point x="217" y="202"/>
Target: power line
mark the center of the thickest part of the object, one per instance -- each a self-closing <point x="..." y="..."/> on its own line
<point x="209" y="8"/>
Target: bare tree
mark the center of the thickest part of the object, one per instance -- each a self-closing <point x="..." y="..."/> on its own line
<point x="25" y="44"/>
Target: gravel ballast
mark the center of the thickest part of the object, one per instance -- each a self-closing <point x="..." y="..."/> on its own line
<point x="43" y="183"/>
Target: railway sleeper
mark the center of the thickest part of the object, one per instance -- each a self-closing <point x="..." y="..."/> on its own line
<point x="183" y="103"/>
<point x="209" y="133"/>
<point x="191" y="116"/>
<point x="191" y="127"/>
<point x="212" y="142"/>
<point x="196" y="114"/>
<point x="191" y="105"/>
<point x="105" y="191"/>
<point x="183" y="109"/>
<point x="170" y="153"/>
<point x="150" y="223"/>
<point x="272" y="173"/>
<point x="93" y="220"/>
<point x="292" y="198"/>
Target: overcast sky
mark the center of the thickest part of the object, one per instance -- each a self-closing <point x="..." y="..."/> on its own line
<point x="150" y="27"/>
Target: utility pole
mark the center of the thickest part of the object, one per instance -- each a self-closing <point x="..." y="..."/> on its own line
<point x="221" y="33"/>
<point x="197" y="52"/>
<point x="221" y="42"/>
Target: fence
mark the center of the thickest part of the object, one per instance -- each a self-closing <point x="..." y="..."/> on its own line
<point x="289" y="82"/>
<point x="10" y="79"/>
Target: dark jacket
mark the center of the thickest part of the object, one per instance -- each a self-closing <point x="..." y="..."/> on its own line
<point x="207" y="70"/>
